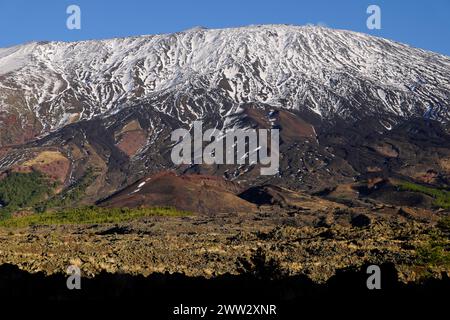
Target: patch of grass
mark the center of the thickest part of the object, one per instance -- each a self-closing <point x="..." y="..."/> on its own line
<point x="89" y="215"/>
<point x="45" y="157"/>
<point x="441" y="197"/>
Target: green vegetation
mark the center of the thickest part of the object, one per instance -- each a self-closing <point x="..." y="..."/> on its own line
<point x="444" y="225"/>
<point x="436" y="252"/>
<point x="34" y="192"/>
<point x="23" y="190"/>
<point x="441" y="197"/>
<point x="88" y="215"/>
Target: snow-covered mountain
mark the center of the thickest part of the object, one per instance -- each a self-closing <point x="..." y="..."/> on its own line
<point x="186" y="75"/>
<point x="351" y="108"/>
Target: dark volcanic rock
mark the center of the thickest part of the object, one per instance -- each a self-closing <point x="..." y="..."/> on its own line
<point x="361" y="220"/>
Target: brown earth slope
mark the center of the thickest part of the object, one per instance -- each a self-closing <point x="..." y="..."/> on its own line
<point x="196" y="193"/>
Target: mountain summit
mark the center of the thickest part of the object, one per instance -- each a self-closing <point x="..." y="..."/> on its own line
<point x="186" y="75"/>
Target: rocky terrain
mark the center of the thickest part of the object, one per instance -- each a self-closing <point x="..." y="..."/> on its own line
<point x="303" y="241"/>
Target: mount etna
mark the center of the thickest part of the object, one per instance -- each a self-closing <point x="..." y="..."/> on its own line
<point x="364" y="153"/>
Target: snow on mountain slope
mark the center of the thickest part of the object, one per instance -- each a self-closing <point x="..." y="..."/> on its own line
<point x="187" y="74"/>
<point x="14" y="58"/>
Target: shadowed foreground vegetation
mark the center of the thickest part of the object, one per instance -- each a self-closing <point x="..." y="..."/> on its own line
<point x="88" y="215"/>
<point x="161" y="292"/>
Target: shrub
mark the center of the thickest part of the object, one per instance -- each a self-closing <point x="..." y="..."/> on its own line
<point x="436" y="251"/>
<point x="444" y="225"/>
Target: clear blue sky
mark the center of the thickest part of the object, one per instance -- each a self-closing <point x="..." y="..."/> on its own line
<point x="423" y="24"/>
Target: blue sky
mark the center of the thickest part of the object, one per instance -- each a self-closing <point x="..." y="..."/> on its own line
<point x="423" y="24"/>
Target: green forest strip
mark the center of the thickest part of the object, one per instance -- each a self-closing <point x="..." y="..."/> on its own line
<point x="89" y="215"/>
<point x="441" y="197"/>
